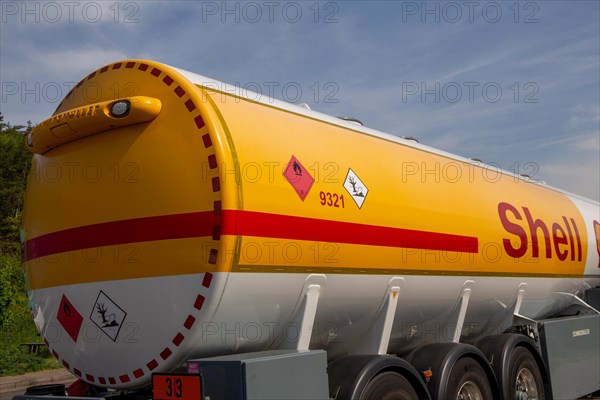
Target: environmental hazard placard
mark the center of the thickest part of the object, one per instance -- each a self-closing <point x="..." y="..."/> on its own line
<point x="108" y="316"/>
<point x="356" y="188"/>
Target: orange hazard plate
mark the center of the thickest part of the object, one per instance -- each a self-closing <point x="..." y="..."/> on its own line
<point x="176" y="387"/>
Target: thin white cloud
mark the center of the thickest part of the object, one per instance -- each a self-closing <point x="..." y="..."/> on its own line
<point x="584" y="142"/>
<point x="589" y="142"/>
<point x="585" y="114"/>
<point x="581" y="176"/>
<point x="80" y="61"/>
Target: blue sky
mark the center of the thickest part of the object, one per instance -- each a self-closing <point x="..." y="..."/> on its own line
<point x="512" y="83"/>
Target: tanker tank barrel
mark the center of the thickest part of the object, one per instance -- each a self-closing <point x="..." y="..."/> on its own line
<point x="181" y="231"/>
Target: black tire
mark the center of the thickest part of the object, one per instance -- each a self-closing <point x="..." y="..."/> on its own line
<point x="389" y="386"/>
<point x="468" y="380"/>
<point x="524" y="378"/>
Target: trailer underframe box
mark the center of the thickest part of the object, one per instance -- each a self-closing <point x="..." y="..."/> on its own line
<point x="571" y="352"/>
<point x="267" y="375"/>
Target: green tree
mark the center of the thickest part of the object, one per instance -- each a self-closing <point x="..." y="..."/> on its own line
<point x="15" y="161"/>
<point x="16" y="324"/>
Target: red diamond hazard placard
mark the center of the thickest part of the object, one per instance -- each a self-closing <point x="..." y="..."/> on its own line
<point x="298" y="177"/>
<point x="69" y="318"/>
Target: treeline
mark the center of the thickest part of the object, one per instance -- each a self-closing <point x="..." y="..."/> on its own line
<point x="16" y="324"/>
<point x="15" y="161"/>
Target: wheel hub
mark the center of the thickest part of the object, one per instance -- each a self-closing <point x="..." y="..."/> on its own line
<point x="526" y="387"/>
<point x="469" y="391"/>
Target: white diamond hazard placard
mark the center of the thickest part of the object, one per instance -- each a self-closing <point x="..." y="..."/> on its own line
<point x="356" y="188"/>
<point x="108" y="316"/>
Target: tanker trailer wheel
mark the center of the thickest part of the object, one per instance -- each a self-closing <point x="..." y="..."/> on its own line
<point x="389" y="385"/>
<point x="375" y="377"/>
<point x="468" y="381"/>
<point x="525" y="378"/>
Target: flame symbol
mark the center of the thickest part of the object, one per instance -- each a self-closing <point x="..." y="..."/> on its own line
<point x="297" y="169"/>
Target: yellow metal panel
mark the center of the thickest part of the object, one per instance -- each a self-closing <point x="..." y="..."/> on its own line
<point x="297" y="194"/>
<point x="145" y="170"/>
<point x="123" y="261"/>
<point x="408" y="189"/>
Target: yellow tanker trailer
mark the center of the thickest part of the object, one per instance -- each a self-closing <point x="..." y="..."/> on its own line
<point x="175" y="225"/>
